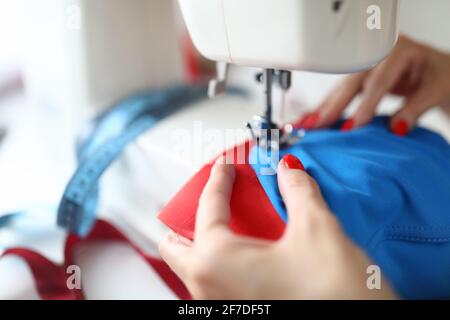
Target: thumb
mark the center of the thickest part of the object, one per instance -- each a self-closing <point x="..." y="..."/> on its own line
<point x="306" y="207"/>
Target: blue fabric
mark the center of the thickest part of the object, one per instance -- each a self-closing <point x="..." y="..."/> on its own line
<point x="391" y="195"/>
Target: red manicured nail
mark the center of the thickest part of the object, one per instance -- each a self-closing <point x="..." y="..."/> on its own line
<point x="400" y="128"/>
<point x="348" y="125"/>
<point x="293" y="162"/>
<point x="310" y="120"/>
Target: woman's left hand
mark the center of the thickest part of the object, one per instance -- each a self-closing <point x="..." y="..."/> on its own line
<point x="313" y="260"/>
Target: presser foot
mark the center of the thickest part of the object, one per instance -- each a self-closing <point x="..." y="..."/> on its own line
<point x="263" y="130"/>
<point x="269" y="136"/>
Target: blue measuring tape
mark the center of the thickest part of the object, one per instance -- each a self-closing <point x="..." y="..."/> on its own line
<point x="6" y="219"/>
<point x="104" y="141"/>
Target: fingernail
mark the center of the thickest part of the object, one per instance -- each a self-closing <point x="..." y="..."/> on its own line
<point x="183" y="240"/>
<point x="292" y="162"/>
<point x="348" y="125"/>
<point x="300" y="123"/>
<point x="310" y="121"/>
<point x="400" y="128"/>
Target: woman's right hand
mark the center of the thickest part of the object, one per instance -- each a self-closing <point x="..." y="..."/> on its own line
<point x="414" y="71"/>
<point x="314" y="259"/>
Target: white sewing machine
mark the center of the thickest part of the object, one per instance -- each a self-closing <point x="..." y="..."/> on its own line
<point x="331" y="36"/>
<point x="276" y="35"/>
<point x="314" y="35"/>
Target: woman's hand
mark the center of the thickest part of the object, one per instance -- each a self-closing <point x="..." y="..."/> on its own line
<point x="417" y="72"/>
<point x="313" y="260"/>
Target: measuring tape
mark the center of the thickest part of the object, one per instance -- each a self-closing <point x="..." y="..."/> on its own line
<point x="6" y="219"/>
<point x="99" y="145"/>
<point x="105" y="139"/>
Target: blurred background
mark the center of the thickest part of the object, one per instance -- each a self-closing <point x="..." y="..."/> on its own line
<point x="64" y="61"/>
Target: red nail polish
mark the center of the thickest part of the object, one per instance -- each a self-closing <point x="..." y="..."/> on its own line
<point x="299" y="123"/>
<point x="310" y="120"/>
<point x="293" y="162"/>
<point x="400" y="128"/>
<point x="348" y="125"/>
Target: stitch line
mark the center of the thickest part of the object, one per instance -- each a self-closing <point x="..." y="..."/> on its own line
<point x="423" y="239"/>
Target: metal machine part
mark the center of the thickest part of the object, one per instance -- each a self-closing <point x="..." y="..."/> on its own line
<point x="217" y="86"/>
<point x="263" y="129"/>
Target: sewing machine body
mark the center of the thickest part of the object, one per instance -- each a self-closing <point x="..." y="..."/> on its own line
<point x="330" y="36"/>
<point x="323" y="36"/>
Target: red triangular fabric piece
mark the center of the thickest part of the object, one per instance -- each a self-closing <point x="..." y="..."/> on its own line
<point x="252" y="213"/>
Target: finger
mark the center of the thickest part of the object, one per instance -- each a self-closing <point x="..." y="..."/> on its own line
<point x="405" y="119"/>
<point x="176" y="254"/>
<point x="377" y="85"/>
<point x="301" y="194"/>
<point x="404" y="59"/>
<point x="214" y="205"/>
<point x="337" y="101"/>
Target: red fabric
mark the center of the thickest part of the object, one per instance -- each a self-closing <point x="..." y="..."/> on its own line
<point x="252" y="213"/>
<point x="51" y="278"/>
